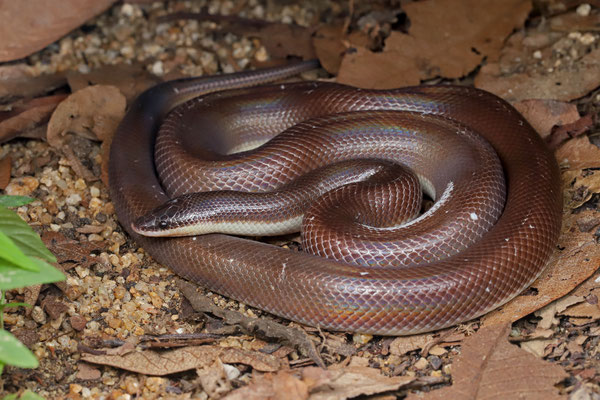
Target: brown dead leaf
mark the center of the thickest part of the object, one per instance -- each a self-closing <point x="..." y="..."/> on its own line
<point x="283" y="40"/>
<point x="318" y="384"/>
<point x="548" y="313"/>
<point x="365" y="69"/>
<point x="331" y="42"/>
<point x="214" y="379"/>
<point x="131" y="80"/>
<point x="446" y="38"/>
<point x="28" y="119"/>
<point x="272" y="386"/>
<point x="30" y="25"/>
<point x="562" y="133"/>
<point x="152" y="362"/>
<point x="93" y="112"/>
<point x="70" y="251"/>
<point x="5" y="170"/>
<point x="17" y="81"/>
<point x="562" y="84"/>
<point x="86" y="372"/>
<point x="584" y="187"/>
<point x="545" y="114"/>
<point x="403" y="344"/>
<point x="579" y="153"/>
<point x="490" y="367"/>
<point x="584" y="310"/>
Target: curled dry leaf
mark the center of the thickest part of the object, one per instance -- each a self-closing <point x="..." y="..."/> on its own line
<point x="446" y="38"/>
<point x="151" y="362"/>
<point x="30" y="25"/>
<point x="93" y="112"/>
<point x="314" y="383"/>
<point x="490" y="367"/>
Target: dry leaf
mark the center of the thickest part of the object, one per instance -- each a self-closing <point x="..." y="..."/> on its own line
<point x="561" y="84"/>
<point x="151" y="362"/>
<point x="314" y="383"/>
<point x="71" y="251"/>
<point x="283" y="40"/>
<point x="5" y="169"/>
<point x="86" y="372"/>
<point x="214" y="379"/>
<point x="545" y="114"/>
<point x="278" y="386"/>
<point x="446" y="38"/>
<point x="548" y="313"/>
<point x="579" y="153"/>
<point x="93" y="112"/>
<point x="539" y="348"/>
<point x="17" y="81"/>
<point x="403" y="344"/>
<point x="28" y="119"/>
<point x="330" y="43"/>
<point x="490" y="367"/>
<point x="27" y="26"/>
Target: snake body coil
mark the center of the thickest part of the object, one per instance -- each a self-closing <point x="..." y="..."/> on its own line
<point x="478" y="272"/>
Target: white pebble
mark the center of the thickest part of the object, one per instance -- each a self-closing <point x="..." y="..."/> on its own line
<point x="74" y="199"/>
<point x="584" y="10"/>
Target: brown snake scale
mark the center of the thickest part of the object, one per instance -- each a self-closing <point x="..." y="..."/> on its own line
<point x="480" y="253"/>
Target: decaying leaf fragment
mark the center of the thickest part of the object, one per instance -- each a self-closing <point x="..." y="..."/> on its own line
<point x="151" y="362"/>
<point x="318" y="384"/>
<point x="93" y="112"/>
<point x="446" y="38"/>
<point x="490" y="367"/>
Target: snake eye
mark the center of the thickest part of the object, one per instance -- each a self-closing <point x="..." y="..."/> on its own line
<point x="163" y="224"/>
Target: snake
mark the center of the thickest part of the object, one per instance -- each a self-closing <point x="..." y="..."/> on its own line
<point x="195" y="135"/>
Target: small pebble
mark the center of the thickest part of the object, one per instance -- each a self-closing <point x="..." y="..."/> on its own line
<point x="22" y="186"/>
<point x="361" y="338"/>
<point x="435" y="362"/>
<point x="231" y="372"/>
<point x="422" y="363"/>
<point x="38" y="315"/>
<point x="584" y="10"/>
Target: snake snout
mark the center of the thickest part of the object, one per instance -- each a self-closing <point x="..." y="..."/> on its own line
<point x="160" y="222"/>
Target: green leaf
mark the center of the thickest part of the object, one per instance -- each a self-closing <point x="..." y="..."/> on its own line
<point x="14" y="255"/>
<point x="15" y="201"/>
<point x="13" y="352"/>
<point x="23" y="236"/>
<point x="12" y="277"/>
<point x="12" y="396"/>
<point x="29" y="395"/>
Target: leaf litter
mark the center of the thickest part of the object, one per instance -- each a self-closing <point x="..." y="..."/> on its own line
<point x="371" y="44"/>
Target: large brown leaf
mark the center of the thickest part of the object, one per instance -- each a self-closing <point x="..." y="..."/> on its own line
<point x="489" y="367"/>
<point x="27" y="26"/>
